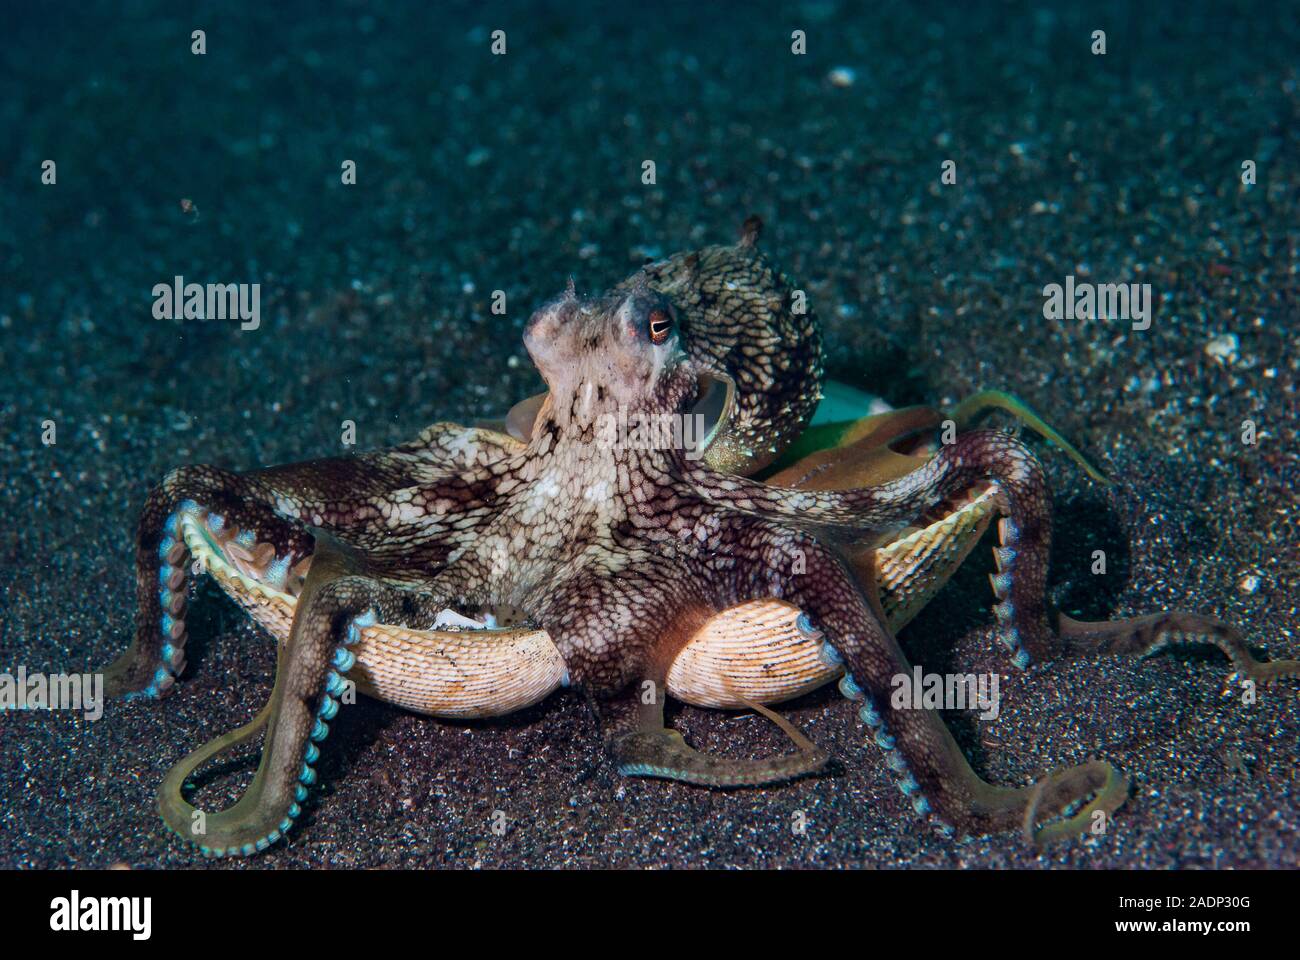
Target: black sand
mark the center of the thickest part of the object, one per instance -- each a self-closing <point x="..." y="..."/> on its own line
<point x="478" y="173"/>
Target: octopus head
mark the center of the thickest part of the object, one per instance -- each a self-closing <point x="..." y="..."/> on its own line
<point x="621" y="351"/>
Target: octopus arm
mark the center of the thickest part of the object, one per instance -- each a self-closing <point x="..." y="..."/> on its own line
<point x="278" y="510"/>
<point x="336" y="603"/>
<point x="929" y="766"/>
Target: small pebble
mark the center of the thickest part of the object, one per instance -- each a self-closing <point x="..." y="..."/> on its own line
<point x="842" y="77"/>
<point x="1223" y="348"/>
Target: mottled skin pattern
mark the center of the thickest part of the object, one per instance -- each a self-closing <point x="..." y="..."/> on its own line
<point x="620" y="554"/>
<point x="740" y="319"/>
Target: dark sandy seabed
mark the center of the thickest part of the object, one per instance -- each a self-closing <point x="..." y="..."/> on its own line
<point x="477" y="173"/>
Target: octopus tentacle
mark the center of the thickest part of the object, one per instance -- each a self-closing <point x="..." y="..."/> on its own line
<point x="981" y="455"/>
<point x="977" y="405"/>
<point x="156" y="657"/>
<point x="277" y="503"/>
<point x="1019" y="585"/>
<point x="184" y="819"/>
<point x="438" y="452"/>
<point x="1147" y="635"/>
<point x="665" y="754"/>
<point x="930" y="767"/>
<point x="846" y="456"/>
<point x="335" y="604"/>
<point x="978" y="455"/>
<point x="641" y="746"/>
<point x="843" y="454"/>
<point x="644" y="747"/>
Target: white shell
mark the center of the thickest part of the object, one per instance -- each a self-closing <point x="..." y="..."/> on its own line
<point x="754" y="651"/>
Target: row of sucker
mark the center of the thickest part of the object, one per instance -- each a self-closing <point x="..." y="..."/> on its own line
<point x="871" y="715"/>
<point x="1004" y="558"/>
<point x="173" y="580"/>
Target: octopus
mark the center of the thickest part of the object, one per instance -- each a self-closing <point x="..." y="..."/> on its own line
<point x="474" y="570"/>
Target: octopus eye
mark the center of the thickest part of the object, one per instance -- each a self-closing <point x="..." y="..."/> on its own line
<point x="660" y="325"/>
